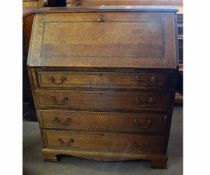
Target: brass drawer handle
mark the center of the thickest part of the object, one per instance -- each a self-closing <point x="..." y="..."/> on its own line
<point x="138" y="78"/>
<point x="62" y="79"/>
<point x="143" y="126"/>
<point x="62" y="142"/>
<point x="57" y="102"/>
<point x="153" y="80"/>
<point x="101" y="19"/>
<point x="66" y="122"/>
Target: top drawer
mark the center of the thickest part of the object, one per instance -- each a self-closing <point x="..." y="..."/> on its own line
<point x="105" y="79"/>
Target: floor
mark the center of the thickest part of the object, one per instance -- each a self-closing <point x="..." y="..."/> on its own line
<point x="33" y="164"/>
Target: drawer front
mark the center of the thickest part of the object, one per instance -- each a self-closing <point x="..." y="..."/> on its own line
<point x="104" y="79"/>
<point x="110" y="142"/>
<point x="103" y="100"/>
<point x="104" y="121"/>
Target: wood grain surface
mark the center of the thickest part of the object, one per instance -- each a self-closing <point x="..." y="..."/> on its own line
<point x="103" y="81"/>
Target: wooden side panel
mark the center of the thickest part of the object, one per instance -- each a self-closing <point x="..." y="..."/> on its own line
<point x="27" y="24"/>
<point x="35" y="41"/>
<point x="171" y="56"/>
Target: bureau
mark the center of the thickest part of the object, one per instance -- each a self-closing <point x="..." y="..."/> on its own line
<point x="103" y="81"/>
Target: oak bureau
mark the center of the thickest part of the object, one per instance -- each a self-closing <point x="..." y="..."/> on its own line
<point x="103" y="81"/>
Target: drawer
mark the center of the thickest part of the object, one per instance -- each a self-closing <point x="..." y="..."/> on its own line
<point x="103" y="141"/>
<point x="104" y="121"/>
<point x="105" y="79"/>
<point x="103" y="100"/>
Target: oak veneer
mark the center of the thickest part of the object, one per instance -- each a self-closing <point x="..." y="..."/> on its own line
<point x="104" y="121"/>
<point x="104" y="80"/>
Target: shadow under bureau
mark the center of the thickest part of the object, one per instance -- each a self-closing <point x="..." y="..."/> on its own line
<point x="103" y="81"/>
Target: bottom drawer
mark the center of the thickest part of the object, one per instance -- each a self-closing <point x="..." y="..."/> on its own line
<point x="102" y="141"/>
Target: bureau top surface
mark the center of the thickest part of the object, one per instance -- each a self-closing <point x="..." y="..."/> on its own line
<point x="125" y="37"/>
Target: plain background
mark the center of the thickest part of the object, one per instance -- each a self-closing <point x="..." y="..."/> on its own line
<point x="196" y="87"/>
